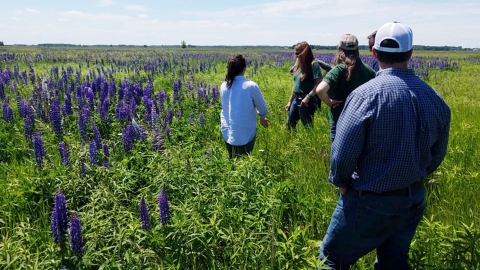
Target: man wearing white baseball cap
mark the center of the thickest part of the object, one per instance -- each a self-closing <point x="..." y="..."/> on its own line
<point x="392" y="133"/>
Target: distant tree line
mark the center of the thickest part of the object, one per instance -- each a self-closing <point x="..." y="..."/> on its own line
<point x="415" y="47"/>
<point x="1" y="43"/>
<point x="183" y="44"/>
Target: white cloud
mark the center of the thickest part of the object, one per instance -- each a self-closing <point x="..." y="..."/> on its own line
<point x="27" y="10"/>
<point x="106" y="3"/>
<point x="31" y="10"/>
<point x="137" y="8"/>
<point x="95" y="17"/>
<point x="143" y="16"/>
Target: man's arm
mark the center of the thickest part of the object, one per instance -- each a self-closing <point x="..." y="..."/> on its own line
<point x="439" y="148"/>
<point x="349" y="140"/>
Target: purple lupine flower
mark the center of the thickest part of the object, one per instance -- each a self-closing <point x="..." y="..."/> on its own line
<point x="106" y="163"/>
<point x="31" y="74"/>
<point x="169" y="116"/>
<point x="128" y="138"/>
<point x="158" y="143"/>
<point x="122" y="111"/>
<point x="97" y="137"/>
<point x="20" y="103"/>
<point x="7" y="113"/>
<point x="103" y="109"/>
<point x="82" y="125"/>
<point x="144" y="216"/>
<point x="191" y="118"/>
<point x="163" y="206"/>
<point x="201" y="120"/>
<point x="161" y="100"/>
<point x="138" y="130"/>
<point x="64" y="152"/>
<point x="106" y="151"/>
<point x="76" y="241"/>
<point x="176" y="91"/>
<point x="92" y="153"/>
<point x="2" y="89"/>
<point x="167" y="131"/>
<point x="28" y="129"/>
<point x="86" y="114"/>
<point x="153" y="116"/>
<point x="68" y="104"/>
<point x="56" y="118"/>
<point x="106" y="154"/>
<point x="90" y="95"/>
<point x="133" y="107"/>
<point x="59" y="218"/>
<point x="178" y="114"/>
<point x="38" y="149"/>
<point x="215" y="93"/>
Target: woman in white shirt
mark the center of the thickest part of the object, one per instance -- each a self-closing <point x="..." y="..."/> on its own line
<point x="241" y="101"/>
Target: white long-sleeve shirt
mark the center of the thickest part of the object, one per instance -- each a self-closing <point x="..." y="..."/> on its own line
<point x="240" y="104"/>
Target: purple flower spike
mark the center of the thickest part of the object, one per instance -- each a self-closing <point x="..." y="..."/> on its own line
<point x="59" y="218"/>
<point x="201" y="120"/>
<point x="64" y="152"/>
<point x="158" y="143"/>
<point x="106" y="151"/>
<point x="38" y="149"/>
<point x="56" y="118"/>
<point x="144" y="217"/>
<point x="92" y="151"/>
<point x="76" y="241"/>
<point x="164" y="208"/>
<point x="191" y="118"/>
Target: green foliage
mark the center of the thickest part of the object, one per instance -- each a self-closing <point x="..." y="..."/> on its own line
<point x="183" y="44"/>
<point x="269" y="210"/>
<point x="1" y="43"/>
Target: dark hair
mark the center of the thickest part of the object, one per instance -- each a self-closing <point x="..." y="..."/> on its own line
<point x="304" y="59"/>
<point x="371" y="40"/>
<point x="235" y="66"/>
<point x="349" y="58"/>
<point x="392" y="58"/>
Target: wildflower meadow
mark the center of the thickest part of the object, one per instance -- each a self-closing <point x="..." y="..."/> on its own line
<point x="112" y="158"/>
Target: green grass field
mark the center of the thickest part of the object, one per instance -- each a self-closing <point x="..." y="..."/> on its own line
<point x="266" y="211"/>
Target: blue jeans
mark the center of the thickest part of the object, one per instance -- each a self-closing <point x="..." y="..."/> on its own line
<point x="304" y="114"/>
<point x="363" y="222"/>
<point x="235" y="151"/>
<point x="333" y="131"/>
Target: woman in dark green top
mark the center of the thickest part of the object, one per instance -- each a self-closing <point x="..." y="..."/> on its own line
<point x="306" y="76"/>
<point x="349" y="73"/>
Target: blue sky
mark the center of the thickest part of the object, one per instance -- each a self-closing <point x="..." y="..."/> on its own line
<point x="225" y="22"/>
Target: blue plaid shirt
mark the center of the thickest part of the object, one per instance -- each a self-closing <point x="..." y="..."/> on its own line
<point x="392" y="132"/>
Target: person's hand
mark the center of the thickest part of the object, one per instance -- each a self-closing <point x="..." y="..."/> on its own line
<point x="305" y="102"/>
<point x="343" y="190"/>
<point x="264" y="122"/>
<point x="287" y="107"/>
<point x="335" y="102"/>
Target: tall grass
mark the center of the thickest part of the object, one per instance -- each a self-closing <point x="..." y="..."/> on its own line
<point x="269" y="210"/>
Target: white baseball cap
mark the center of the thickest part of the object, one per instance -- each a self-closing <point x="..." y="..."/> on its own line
<point x="399" y="32"/>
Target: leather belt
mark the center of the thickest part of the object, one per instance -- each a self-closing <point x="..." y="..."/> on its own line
<point x="396" y="192"/>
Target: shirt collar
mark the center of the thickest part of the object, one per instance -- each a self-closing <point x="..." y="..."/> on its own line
<point x="396" y="72"/>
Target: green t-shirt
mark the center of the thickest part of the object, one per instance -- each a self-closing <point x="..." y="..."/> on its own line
<point x="308" y="83"/>
<point x="340" y="88"/>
